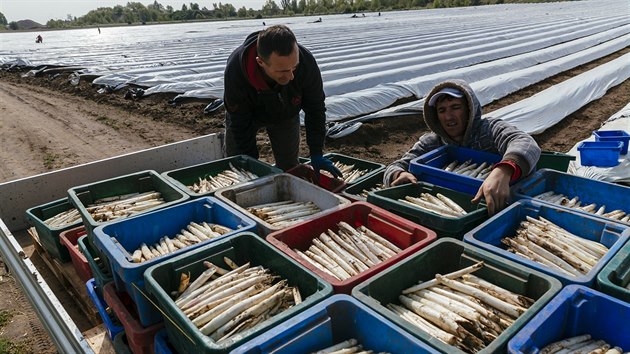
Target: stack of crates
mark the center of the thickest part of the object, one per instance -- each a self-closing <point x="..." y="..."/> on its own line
<point x="118" y="240"/>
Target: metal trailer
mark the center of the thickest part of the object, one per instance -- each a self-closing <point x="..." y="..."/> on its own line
<point x="18" y="195"/>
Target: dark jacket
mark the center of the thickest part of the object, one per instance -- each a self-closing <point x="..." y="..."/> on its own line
<point x="250" y="103"/>
<point x="485" y="134"/>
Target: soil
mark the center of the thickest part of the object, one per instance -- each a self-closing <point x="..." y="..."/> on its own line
<point x="47" y="124"/>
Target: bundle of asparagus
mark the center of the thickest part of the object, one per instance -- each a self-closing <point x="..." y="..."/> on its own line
<point x="122" y="206"/>
<point x="64" y="218"/>
<point x="222" y="179"/>
<point x="350" y="173"/>
<point x="580" y="344"/>
<point x="193" y="234"/>
<point x="346" y="347"/>
<point x="285" y="212"/>
<point x="461" y="309"/>
<point x="546" y="243"/>
<point x="377" y="187"/>
<point x="469" y="168"/>
<point x="234" y="301"/>
<point x="348" y="252"/>
<point x="438" y="204"/>
<point x="575" y="203"/>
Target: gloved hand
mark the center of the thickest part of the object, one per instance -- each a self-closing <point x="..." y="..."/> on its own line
<point x="319" y="162"/>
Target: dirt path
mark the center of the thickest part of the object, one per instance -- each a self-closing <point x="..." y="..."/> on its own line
<point x="42" y="129"/>
<point x="47" y="124"/>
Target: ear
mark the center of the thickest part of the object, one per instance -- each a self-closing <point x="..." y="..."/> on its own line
<point x="259" y="61"/>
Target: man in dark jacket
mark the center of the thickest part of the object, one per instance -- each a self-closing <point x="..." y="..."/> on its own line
<point x="268" y="80"/>
<point x="453" y="113"/>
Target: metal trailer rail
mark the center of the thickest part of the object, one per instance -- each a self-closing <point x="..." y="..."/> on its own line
<point x="19" y="195"/>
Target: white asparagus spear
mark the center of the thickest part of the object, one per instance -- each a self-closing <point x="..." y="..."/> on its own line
<point x="345" y="344"/>
<point x="453" y="275"/>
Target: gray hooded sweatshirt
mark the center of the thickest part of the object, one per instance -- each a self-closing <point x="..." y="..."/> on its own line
<point x="485" y="134"/>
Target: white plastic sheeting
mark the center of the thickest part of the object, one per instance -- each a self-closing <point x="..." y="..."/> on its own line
<point x="546" y="108"/>
<point x="367" y="63"/>
<point x="619" y="173"/>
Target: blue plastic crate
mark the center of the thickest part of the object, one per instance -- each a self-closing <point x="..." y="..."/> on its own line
<point x="149" y="228"/>
<point x="614" y="196"/>
<point x="112" y="325"/>
<point x="576" y="310"/>
<point x="614" y="135"/>
<point x="429" y="167"/>
<point x="330" y="322"/>
<point x="161" y="344"/>
<point x="600" y="153"/>
<point x="488" y="235"/>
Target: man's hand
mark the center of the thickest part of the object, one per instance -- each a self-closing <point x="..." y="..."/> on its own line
<point x="495" y="189"/>
<point x="403" y="177"/>
<point x="319" y="162"/>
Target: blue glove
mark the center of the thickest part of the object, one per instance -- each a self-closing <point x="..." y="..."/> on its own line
<point x="319" y="162"/>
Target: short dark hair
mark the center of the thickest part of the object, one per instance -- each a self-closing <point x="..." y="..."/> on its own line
<point x="279" y="39"/>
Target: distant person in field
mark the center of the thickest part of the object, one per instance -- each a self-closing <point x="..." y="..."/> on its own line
<point x="39" y="39"/>
<point x="99" y="30"/>
<point x="453" y="114"/>
<point x="269" y="79"/>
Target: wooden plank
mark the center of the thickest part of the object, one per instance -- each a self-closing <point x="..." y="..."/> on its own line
<point x="99" y="340"/>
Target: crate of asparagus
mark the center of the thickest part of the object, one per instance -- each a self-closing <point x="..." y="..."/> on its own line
<point x="577" y="320"/>
<point x="121" y="197"/>
<point x="133" y="245"/>
<point x="50" y="220"/>
<point x="203" y="179"/>
<point x="598" y="198"/>
<point x="614" y="279"/>
<point x="457" y="297"/>
<point x="307" y="173"/>
<point x="567" y="245"/>
<point x="554" y="161"/>
<point x="449" y="213"/>
<point x="281" y="200"/>
<point x="219" y="296"/>
<point x="458" y="168"/>
<point x="339" y="324"/>
<point x="360" y="190"/>
<point x="354" y="170"/>
<point x="351" y="244"/>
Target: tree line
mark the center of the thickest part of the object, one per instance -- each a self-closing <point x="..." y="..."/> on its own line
<point x="136" y="12"/>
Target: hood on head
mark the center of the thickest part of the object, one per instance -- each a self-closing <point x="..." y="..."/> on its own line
<point x="430" y="112"/>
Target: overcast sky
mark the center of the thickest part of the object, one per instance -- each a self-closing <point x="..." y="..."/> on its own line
<point x="43" y="10"/>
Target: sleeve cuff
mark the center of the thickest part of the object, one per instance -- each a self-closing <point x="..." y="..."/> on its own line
<point x="516" y="170"/>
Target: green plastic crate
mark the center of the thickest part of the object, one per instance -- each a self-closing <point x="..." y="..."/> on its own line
<point x="49" y="236"/>
<point x="101" y="271"/>
<point x="614" y="279"/>
<point x="139" y="182"/>
<point x="184" y="177"/>
<point x="163" y="278"/>
<point x="454" y="227"/>
<point x="446" y="256"/>
<point x="554" y="160"/>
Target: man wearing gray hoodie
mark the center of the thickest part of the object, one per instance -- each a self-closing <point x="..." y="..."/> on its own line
<point x="453" y="113"/>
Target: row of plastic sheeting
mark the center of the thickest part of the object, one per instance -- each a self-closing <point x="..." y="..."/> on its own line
<point x="368" y="63"/>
